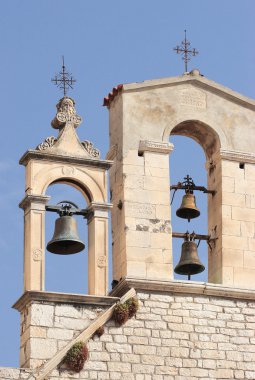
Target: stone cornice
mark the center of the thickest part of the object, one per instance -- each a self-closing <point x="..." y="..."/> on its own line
<point x="43" y="156"/>
<point x="239" y="156"/>
<point x="63" y="298"/>
<point x="155" y="146"/>
<point x="183" y="287"/>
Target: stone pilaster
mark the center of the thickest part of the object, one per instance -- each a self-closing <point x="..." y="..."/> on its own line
<point x="98" y="248"/>
<point x="34" y="245"/>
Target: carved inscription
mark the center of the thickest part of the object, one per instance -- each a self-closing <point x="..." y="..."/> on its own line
<point x="140" y="210"/>
<point x="192" y="97"/>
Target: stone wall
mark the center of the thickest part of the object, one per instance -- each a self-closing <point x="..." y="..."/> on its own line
<point x="174" y="336"/>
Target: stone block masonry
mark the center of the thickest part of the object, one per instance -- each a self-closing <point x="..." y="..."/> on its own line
<point x="174" y="336"/>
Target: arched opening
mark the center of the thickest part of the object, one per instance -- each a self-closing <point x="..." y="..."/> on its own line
<point x="66" y="273"/>
<point x="194" y="144"/>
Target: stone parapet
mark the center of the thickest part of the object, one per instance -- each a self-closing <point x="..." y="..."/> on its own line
<point x="183" y="330"/>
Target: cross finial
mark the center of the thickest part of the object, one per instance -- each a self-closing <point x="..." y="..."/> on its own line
<point x="64" y="80"/>
<point x="186" y="51"/>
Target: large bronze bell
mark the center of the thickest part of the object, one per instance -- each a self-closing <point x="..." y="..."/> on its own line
<point x="65" y="240"/>
<point x="189" y="263"/>
<point x="188" y="209"/>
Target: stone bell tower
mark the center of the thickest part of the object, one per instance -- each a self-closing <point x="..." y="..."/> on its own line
<point x="142" y="118"/>
<point x="61" y="159"/>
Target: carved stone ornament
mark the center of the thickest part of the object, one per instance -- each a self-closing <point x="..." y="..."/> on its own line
<point x="47" y="143"/>
<point x="66" y="113"/>
<point x="101" y="262"/>
<point x="88" y="146"/>
<point x="68" y="170"/>
<point x="37" y="254"/>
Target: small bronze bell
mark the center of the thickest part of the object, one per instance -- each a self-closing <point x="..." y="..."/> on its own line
<point x="65" y="240"/>
<point x="189" y="263"/>
<point x="188" y="209"/>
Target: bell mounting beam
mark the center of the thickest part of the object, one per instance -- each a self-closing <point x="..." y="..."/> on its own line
<point x="189" y="186"/>
<point x="193" y="235"/>
<point x="69" y="208"/>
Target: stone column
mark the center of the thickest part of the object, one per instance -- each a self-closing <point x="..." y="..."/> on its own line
<point x="34" y="235"/>
<point x="98" y="249"/>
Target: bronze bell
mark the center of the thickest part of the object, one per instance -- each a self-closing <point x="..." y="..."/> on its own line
<point x="189" y="263"/>
<point x="65" y="240"/>
<point x="188" y="209"/>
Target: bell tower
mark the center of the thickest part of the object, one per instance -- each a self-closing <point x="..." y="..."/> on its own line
<point x="62" y="159"/>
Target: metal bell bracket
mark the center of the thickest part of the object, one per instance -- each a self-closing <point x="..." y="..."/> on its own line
<point x="67" y="208"/>
<point x="189" y="186"/>
<point x="193" y="236"/>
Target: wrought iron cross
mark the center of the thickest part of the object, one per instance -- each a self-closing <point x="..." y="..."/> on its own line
<point x="186" y="51"/>
<point x="64" y="80"/>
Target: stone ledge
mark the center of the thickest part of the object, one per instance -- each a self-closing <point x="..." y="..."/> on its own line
<point x="155" y="146"/>
<point x="64" y="298"/>
<point x="38" y="155"/>
<point x="184" y="287"/>
<point x="238" y="156"/>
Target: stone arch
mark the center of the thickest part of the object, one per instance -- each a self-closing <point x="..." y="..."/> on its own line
<point x="75" y="177"/>
<point x="209" y="137"/>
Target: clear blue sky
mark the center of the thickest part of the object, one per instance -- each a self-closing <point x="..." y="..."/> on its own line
<point x="104" y="43"/>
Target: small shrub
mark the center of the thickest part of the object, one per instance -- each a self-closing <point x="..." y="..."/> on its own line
<point x="120" y="313"/>
<point x="100" y="331"/>
<point x="76" y="357"/>
<point x="133" y="307"/>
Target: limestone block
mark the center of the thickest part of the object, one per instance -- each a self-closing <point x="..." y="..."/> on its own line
<point x="243" y="214"/>
<point x="147" y="196"/>
<point x="42" y="315"/>
<point x="228" y="275"/>
<point x="228" y="184"/>
<point x="231" y="227"/>
<point x="232" y="169"/>
<point x="226" y="211"/>
<point x="131" y="169"/>
<point x="132" y="158"/>
<point x="42" y="348"/>
<point x="247" y="229"/>
<point x="160" y="240"/>
<point x="233" y="199"/>
<point x="156" y="160"/>
<point x="136" y="269"/>
<point x="159" y="271"/>
<point x="138" y="239"/>
<point x="245" y="187"/>
<point x="237" y="242"/>
<point x="134" y="181"/>
<point x="156" y="172"/>
<point x="58" y="333"/>
<point x="156" y="183"/>
<point x="249" y="259"/>
<point x="67" y="311"/>
<point x="232" y="257"/>
<point x="243" y="277"/>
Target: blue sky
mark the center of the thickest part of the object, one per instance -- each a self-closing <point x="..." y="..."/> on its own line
<point x="104" y="43"/>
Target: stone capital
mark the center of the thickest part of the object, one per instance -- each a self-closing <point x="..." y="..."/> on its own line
<point x="99" y="210"/>
<point x="155" y="146"/>
<point x="34" y="201"/>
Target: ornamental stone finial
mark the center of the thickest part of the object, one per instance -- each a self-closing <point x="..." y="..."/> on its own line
<point x="66" y="113"/>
